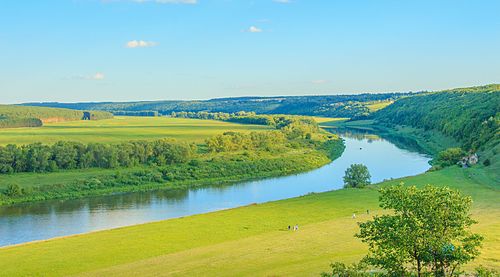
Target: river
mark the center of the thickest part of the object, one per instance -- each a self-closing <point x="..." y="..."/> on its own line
<point x="37" y="221"/>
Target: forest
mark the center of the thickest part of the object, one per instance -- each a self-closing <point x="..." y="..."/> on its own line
<point x="347" y="106"/>
<point x="469" y="115"/>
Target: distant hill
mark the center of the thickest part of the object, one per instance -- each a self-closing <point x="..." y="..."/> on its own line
<point x="330" y="106"/>
<point x="469" y="115"/>
<point x="20" y="116"/>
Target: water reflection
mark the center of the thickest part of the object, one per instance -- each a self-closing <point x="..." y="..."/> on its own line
<point x="386" y="157"/>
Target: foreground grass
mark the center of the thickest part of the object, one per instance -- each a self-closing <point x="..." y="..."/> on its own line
<point x="123" y="129"/>
<point x="250" y="240"/>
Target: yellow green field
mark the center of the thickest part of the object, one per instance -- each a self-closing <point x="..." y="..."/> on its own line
<point x="247" y="241"/>
<point x="123" y="129"/>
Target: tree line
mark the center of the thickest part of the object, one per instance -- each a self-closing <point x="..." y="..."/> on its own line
<point x="470" y="115"/>
<point x="38" y="157"/>
<point x="319" y="105"/>
<point x="293" y="126"/>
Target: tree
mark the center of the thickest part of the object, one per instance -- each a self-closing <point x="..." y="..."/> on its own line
<point x="450" y="156"/>
<point x="427" y="232"/>
<point x="356" y="176"/>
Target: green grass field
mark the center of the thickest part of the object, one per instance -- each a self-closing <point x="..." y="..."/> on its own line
<point x="123" y="129"/>
<point x="252" y="240"/>
<point x="378" y="105"/>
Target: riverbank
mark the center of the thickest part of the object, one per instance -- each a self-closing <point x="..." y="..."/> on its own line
<point x="427" y="141"/>
<point x="206" y="171"/>
<point x="38" y="172"/>
<point x="250" y="240"/>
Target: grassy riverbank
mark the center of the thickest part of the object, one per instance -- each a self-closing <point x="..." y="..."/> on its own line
<point x="228" y="156"/>
<point x="232" y="168"/>
<point x="251" y="240"/>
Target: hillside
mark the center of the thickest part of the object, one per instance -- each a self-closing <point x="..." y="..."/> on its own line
<point x="19" y="116"/>
<point x="469" y="115"/>
<point x="331" y="106"/>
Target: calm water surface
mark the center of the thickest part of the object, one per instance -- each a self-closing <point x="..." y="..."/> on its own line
<point x="37" y="221"/>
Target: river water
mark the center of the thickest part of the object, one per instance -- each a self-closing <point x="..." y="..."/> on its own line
<point x="37" y="221"/>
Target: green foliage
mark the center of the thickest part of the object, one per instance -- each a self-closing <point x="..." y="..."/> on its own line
<point x="13" y="190"/>
<point x="294" y="126"/>
<point x="450" y="156"/>
<point x="484" y="272"/>
<point x="234" y="141"/>
<point x="339" y="269"/>
<point x="428" y="231"/>
<point x="22" y="116"/>
<point x="330" y="105"/>
<point x="136" y="113"/>
<point x="356" y="176"/>
<point x="470" y="115"/>
<point x="196" y="172"/>
<point x="37" y="157"/>
<point x="19" y="122"/>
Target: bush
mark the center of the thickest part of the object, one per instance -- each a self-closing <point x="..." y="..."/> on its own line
<point x="13" y="190"/>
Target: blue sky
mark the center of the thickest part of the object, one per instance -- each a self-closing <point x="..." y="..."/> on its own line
<point x="119" y="50"/>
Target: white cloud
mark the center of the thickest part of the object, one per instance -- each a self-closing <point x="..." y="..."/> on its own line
<point x="98" y="76"/>
<point x="140" y="44"/>
<point x="319" y="82"/>
<point x="254" y="29"/>
<point x="283" y="1"/>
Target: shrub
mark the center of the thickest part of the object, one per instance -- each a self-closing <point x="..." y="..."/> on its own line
<point x="13" y="190"/>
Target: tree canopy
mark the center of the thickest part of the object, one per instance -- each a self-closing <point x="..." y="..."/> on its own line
<point x="427" y="231"/>
<point x="356" y="176"/>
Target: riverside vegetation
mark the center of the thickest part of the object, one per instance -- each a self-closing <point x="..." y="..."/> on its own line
<point x="252" y="241"/>
<point x="296" y="144"/>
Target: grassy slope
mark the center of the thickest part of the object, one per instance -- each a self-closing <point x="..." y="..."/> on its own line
<point x="123" y="129"/>
<point x="378" y="105"/>
<point x="249" y="240"/>
<point x="44" y="113"/>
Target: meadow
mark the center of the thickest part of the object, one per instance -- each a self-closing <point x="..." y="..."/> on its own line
<point x="121" y="129"/>
<point x="65" y="170"/>
<point x="249" y="241"/>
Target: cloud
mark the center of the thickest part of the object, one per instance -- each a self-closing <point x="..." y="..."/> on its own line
<point x="254" y="29"/>
<point x="319" y="82"/>
<point x="98" y="76"/>
<point x="283" y="1"/>
<point x="140" y="44"/>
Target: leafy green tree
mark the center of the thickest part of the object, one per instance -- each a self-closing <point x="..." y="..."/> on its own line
<point x="427" y="231"/>
<point x="356" y="176"/>
<point x="450" y="156"/>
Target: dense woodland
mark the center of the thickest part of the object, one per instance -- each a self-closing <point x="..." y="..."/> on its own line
<point x="37" y="157"/>
<point x="469" y="115"/>
<point x="331" y="105"/>
<point x="18" y="116"/>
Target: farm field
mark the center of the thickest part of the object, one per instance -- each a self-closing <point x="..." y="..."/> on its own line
<point x="123" y="129"/>
<point x="252" y="240"/>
